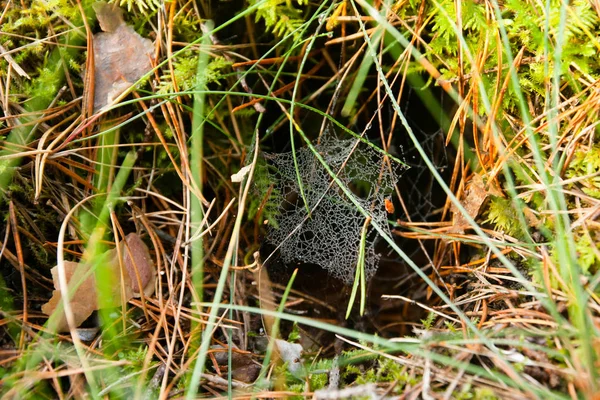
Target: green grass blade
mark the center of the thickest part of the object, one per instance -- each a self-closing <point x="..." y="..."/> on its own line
<point x="361" y="77"/>
<point x="359" y="277"/>
<point x="260" y="383"/>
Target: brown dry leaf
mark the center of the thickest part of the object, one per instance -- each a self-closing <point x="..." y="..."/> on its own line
<point x="84" y="300"/>
<point x="137" y="265"/>
<point x="473" y="198"/>
<point x="121" y="55"/>
<point x="110" y="16"/>
<point x="243" y="367"/>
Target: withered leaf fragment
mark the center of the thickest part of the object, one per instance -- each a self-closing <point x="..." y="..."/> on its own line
<point x="243" y="367"/>
<point x="84" y="300"/>
<point x="137" y="268"/>
<point x="121" y="55"/>
<point x="472" y="200"/>
<point x="138" y="264"/>
<point x="110" y="16"/>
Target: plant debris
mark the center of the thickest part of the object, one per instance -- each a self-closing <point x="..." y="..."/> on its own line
<point x="139" y="269"/>
<point x="121" y="55"/>
<point x="472" y="201"/>
<point x="138" y="264"/>
<point x="243" y="367"/>
<point x="291" y="354"/>
<point x="83" y="302"/>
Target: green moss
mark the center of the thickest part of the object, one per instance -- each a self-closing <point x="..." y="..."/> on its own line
<point x="142" y="6"/>
<point x="503" y="215"/>
<point x="185" y="72"/>
<point x="585" y="166"/>
<point x="428" y="322"/>
<point x="524" y="26"/>
<point x="280" y="16"/>
<point x="263" y="185"/>
<point x="294" y="335"/>
<point x="467" y="392"/>
<point x="318" y="381"/>
<point x="383" y="369"/>
<point x="587" y="253"/>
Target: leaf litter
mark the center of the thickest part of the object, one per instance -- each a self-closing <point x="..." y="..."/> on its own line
<point x="137" y="269"/>
<point x="473" y="199"/>
<point x="121" y="55"/>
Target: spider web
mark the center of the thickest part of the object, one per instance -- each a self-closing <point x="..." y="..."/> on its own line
<point x="418" y="187"/>
<point x="330" y="235"/>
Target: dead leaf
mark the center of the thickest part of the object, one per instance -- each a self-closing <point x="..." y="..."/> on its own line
<point x="243" y="367"/>
<point x="138" y="268"/>
<point x="473" y="198"/>
<point x="121" y="55"/>
<point x="84" y="300"/>
<point x="138" y="264"/>
<point x="110" y="16"/>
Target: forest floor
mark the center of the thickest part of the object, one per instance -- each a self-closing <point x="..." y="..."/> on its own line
<point x="277" y="198"/>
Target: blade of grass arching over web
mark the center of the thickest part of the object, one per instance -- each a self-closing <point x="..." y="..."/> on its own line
<point x="296" y="85"/>
<point x="331" y="119"/>
<point x="361" y="76"/>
